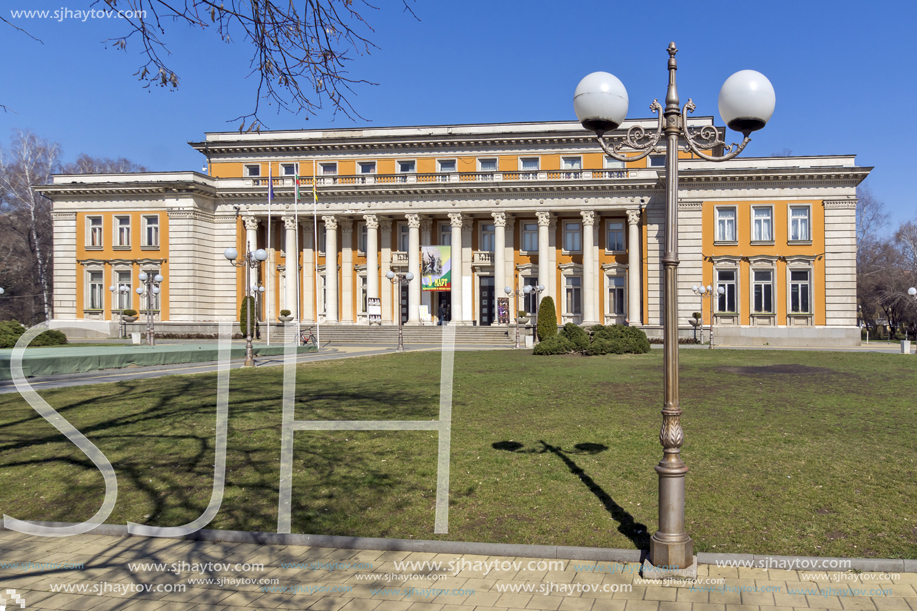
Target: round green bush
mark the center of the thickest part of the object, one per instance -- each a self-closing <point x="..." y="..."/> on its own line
<point x="555" y="345"/>
<point x="547" y="319"/>
<point x="577" y="336"/>
<point x="11" y="331"/>
<point x="128" y="312"/>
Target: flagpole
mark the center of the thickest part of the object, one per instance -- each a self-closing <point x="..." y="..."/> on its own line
<point x="270" y="278"/>
<point x="318" y="326"/>
<point x="296" y="252"/>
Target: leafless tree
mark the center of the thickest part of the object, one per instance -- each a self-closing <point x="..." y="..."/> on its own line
<point x="300" y="53"/>
<point x="85" y="164"/>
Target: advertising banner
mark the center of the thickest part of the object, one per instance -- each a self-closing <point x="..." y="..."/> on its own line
<point x="436" y="268"/>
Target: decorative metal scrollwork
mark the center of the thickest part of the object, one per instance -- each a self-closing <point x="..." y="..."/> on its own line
<point x="636" y="139"/>
<point x="706" y="138"/>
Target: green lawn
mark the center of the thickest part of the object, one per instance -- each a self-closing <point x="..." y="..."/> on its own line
<point x="815" y="458"/>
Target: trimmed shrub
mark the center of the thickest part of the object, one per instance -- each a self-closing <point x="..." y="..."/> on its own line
<point x="522" y="314"/>
<point x="128" y="312"/>
<point x="555" y="345"/>
<point x="11" y="331"/>
<point x="577" y="336"/>
<point x="619" y="339"/>
<point x="243" y="316"/>
<point x="547" y="319"/>
<point x="284" y="312"/>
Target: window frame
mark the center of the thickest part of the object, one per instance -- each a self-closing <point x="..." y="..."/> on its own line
<point x="452" y="160"/>
<point x="808" y="289"/>
<point x="770" y="223"/>
<point x="403" y="230"/>
<point x="770" y="284"/>
<point x="445" y="229"/>
<point x="88" y="293"/>
<point x="323" y="165"/>
<point x="608" y="229"/>
<point x="522" y="233"/>
<point x="610" y="163"/>
<point x="612" y="289"/>
<point x="88" y="245"/>
<point x="578" y="237"/>
<point x="524" y="170"/>
<point x="789" y="224"/>
<point x="651" y="158"/>
<point x="577" y="291"/>
<point x="716" y="225"/>
<point x="252" y="170"/>
<point x="362" y="232"/>
<point x="144" y="231"/>
<point x="735" y="290"/>
<point x="361" y="170"/>
<point x="118" y="283"/>
<point x="294" y="165"/>
<point x="117" y="244"/>
<point x="482" y="236"/>
<point x="480" y="161"/>
<point x="399" y="170"/>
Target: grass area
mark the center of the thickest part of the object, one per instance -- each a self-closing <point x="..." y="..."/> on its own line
<point x="791" y="452"/>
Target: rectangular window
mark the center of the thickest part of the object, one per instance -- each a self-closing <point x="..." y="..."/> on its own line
<point x="123" y="297"/>
<point x="321" y="238"/>
<point x="530" y="237"/>
<point x="289" y="169"/>
<point x="445" y="234"/>
<point x="574" y="294"/>
<point x="764" y="291"/>
<point x="726" y="279"/>
<point x="487" y="237"/>
<point x="612" y="163"/>
<point x="529" y="299"/>
<point x="253" y="171"/>
<point x="151" y="230"/>
<point x="446" y="165"/>
<point x="361" y="238"/>
<point x="572" y="163"/>
<point x="322" y="295"/>
<point x="96" y="286"/>
<point x="403" y="237"/>
<point x="530" y="166"/>
<point x="799" y="292"/>
<point x="726" y="224"/>
<point x="615" y="236"/>
<point x="657" y="161"/>
<point x="763" y="223"/>
<point x="616" y="295"/>
<point x="487" y="165"/>
<point x="153" y="302"/>
<point x="328" y="169"/>
<point x="123" y="231"/>
<point x="572" y="236"/>
<point x="94" y="227"/>
<point x="367" y="167"/>
<point x="799" y="223"/>
<point x="406" y="167"/>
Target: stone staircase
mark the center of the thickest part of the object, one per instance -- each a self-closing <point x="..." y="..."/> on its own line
<point x="426" y="334"/>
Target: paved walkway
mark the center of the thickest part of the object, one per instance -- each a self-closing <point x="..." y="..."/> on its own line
<point x="331" y="579"/>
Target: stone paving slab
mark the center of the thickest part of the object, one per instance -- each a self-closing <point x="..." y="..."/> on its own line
<point x="107" y="582"/>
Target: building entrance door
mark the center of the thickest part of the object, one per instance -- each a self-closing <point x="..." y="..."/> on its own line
<point x="443" y="306"/>
<point x="404" y="303"/>
<point x="487" y="303"/>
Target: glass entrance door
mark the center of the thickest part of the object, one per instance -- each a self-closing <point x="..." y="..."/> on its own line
<point x="487" y="303"/>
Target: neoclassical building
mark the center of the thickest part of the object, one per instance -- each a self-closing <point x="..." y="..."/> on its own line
<point x="518" y="204"/>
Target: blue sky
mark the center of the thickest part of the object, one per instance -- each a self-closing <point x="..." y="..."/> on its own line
<point x="841" y="70"/>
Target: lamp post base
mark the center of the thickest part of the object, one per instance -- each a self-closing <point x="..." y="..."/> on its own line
<point x="662" y="571"/>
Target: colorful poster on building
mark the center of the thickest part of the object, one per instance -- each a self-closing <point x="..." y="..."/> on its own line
<point x="436" y="268"/>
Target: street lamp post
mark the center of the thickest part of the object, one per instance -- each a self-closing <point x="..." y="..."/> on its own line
<point x="116" y="292"/>
<point x="249" y="261"/>
<point x="746" y="103"/>
<point x="538" y="290"/>
<point x="509" y="291"/>
<point x="150" y="288"/>
<point x="399" y="279"/>
<point x="707" y="291"/>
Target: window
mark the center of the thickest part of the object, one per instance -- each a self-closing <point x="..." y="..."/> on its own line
<point x="615" y="236"/>
<point x="574" y="294"/>
<point x="445" y="234"/>
<point x="487" y="165"/>
<point x="572" y="235"/>
<point x="571" y="163"/>
<point x="762" y="228"/>
<point x="764" y="291"/>
<point x="322" y="295"/>
<point x="487" y="237"/>
<point x="530" y="237"/>
<point x="447" y="165"/>
<point x="321" y="238"/>
<point x="612" y="163"/>
<point x="404" y="237"/>
<point x="799" y="292"/>
<point x="361" y="293"/>
<point x="289" y="169"/>
<point x="153" y="296"/>
<point x="657" y="161"/>
<point x="799" y="223"/>
<point x="725" y="224"/>
<point x="95" y="290"/>
<point x="362" y="232"/>
<point x="726" y="279"/>
<point x="530" y="299"/>
<point x="253" y="171"/>
<point x="529" y="166"/>
<point x="367" y="167"/>
<point x="151" y="231"/>
<point x="328" y="169"/>
<point x="123" y="231"/>
<point x="616" y="295"/>
<point x="406" y="167"/>
<point x="122" y="299"/>
<point x="94" y="229"/>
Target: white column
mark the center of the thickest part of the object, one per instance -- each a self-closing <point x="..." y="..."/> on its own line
<point x="633" y="268"/>
<point x="308" y="272"/>
<point x="372" y="256"/>
<point x="499" y="256"/>
<point x="346" y="270"/>
<point x="331" y="269"/>
<point x="426" y="239"/>
<point x="467" y="270"/>
<point x="251" y="240"/>
<point x="455" y="221"/>
<point x="385" y="227"/>
<point x="544" y="257"/>
<point x="292" y="267"/>
<point x="589" y="277"/>
<point x="414" y="268"/>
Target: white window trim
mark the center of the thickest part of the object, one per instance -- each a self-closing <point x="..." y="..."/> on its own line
<point x="752" y="224"/>
<point x="608" y="286"/>
<point x="323" y="164"/>
<point x="610" y="163"/>
<point x="789" y="224"/>
<point x="535" y="157"/>
<point x="444" y="228"/>
<point x="649" y="161"/>
<point x="117" y="283"/>
<point x="496" y="161"/>
<point x="564" y="158"/>
<point x="571" y="270"/>
<point x="608" y="223"/>
<point x="564" y="237"/>
<point x="88" y="243"/>
<point x="398" y="230"/>
<point x="398" y="163"/>
<point x="798" y="266"/>
<point x="143" y="231"/>
<point x="116" y="223"/>
<point x="716" y="224"/>
<point x="360" y="167"/>
<point x="295" y="165"/>
<point x="481" y="237"/>
<point x="439" y="168"/>
<point x="729" y="266"/>
<point x="522" y="232"/>
<point x="248" y="170"/>
<point x="358" y="231"/>
<point x="751" y="288"/>
<point x="87" y="289"/>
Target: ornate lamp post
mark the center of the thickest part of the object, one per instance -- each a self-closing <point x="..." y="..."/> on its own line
<point x="399" y="279"/>
<point x="118" y="291"/>
<point x="538" y="290"/>
<point x="746" y="103"/>
<point x="707" y="291"/>
<point x="250" y="261"/>
<point x="509" y="291"/>
<point x="150" y="288"/>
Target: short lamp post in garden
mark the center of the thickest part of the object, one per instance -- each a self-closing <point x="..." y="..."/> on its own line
<point x="117" y="293"/>
<point x="249" y="261"/>
<point x="509" y="291"/>
<point x="399" y="279"/>
<point x="746" y="103"/>
<point x="151" y="289"/>
<point x="536" y="302"/>
<point x="707" y="291"/>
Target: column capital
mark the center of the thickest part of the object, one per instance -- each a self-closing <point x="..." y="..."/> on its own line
<point x="588" y="217"/>
<point x="330" y="222"/>
<point x="385" y="224"/>
<point x="346" y="224"/>
<point x="455" y="219"/>
<point x="289" y="222"/>
<point x="251" y="223"/>
<point x="499" y="219"/>
<point x="372" y="221"/>
<point x="633" y="217"/>
<point x="544" y="218"/>
<point x="413" y="220"/>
